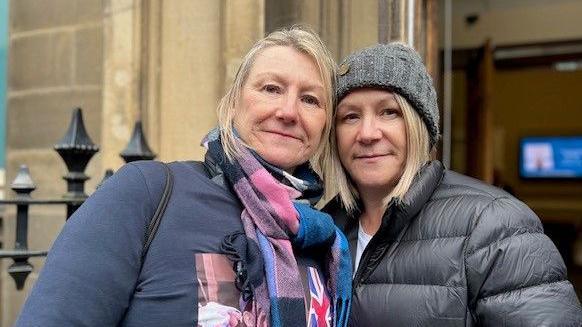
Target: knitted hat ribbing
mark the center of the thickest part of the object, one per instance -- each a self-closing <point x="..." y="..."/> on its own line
<point x="396" y="67"/>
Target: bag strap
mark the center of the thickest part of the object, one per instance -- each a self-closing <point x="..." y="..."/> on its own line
<point x="159" y="213"/>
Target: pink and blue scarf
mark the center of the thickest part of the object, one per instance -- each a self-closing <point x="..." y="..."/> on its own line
<point x="277" y="217"/>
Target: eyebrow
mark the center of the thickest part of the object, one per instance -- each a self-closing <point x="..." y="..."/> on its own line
<point x="389" y="100"/>
<point x="308" y="85"/>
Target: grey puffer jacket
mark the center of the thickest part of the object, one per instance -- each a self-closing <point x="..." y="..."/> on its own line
<point x="457" y="252"/>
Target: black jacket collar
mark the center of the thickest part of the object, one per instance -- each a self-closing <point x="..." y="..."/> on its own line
<point x="423" y="187"/>
<point x="399" y="213"/>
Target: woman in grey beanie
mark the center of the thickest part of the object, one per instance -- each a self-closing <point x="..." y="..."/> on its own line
<point x="430" y="246"/>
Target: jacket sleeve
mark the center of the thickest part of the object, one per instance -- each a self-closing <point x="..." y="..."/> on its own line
<point x="515" y="274"/>
<point x="90" y="273"/>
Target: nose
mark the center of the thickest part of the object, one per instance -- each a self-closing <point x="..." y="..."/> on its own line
<point x="288" y="109"/>
<point x="369" y="131"/>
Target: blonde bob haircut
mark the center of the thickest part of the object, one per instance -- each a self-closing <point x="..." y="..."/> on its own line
<point x="304" y="41"/>
<point x="418" y="153"/>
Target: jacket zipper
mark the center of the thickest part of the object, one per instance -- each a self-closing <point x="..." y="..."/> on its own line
<point x="371" y="248"/>
<point x="363" y="262"/>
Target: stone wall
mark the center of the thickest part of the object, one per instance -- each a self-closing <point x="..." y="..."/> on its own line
<point x="55" y="64"/>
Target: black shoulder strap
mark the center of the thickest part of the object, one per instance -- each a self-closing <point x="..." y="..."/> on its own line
<point x="159" y="213"/>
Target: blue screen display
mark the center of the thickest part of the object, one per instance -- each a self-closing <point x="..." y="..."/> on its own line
<point x="551" y="157"/>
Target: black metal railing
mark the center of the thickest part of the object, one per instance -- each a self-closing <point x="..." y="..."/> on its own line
<point x="76" y="149"/>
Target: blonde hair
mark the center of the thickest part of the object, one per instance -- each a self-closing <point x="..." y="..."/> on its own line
<point x="306" y="42"/>
<point x="338" y="182"/>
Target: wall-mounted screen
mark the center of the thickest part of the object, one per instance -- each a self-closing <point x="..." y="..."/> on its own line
<point x="551" y="157"/>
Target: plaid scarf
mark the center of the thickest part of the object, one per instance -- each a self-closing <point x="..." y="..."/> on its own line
<point x="276" y="217"/>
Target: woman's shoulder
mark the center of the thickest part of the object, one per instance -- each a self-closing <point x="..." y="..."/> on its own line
<point x="147" y="179"/>
<point x="151" y="169"/>
<point x="454" y="183"/>
<point x="479" y="196"/>
<point x="494" y="213"/>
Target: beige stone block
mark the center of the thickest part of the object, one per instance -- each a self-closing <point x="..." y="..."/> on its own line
<point x="46" y="170"/>
<point x="243" y="25"/>
<point x="121" y="77"/>
<point x="95" y="170"/>
<point x="40" y="120"/>
<point x="89" y="10"/>
<point x="11" y="300"/>
<point x="363" y="23"/>
<point x="89" y="56"/>
<point x="150" y="73"/>
<point x="27" y="15"/>
<point x="40" y="61"/>
<point x="281" y="13"/>
<point x="310" y="14"/>
<point x="328" y="19"/>
<point x="190" y="77"/>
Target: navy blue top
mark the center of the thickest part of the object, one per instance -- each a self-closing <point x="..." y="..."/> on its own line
<point x="92" y="275"/>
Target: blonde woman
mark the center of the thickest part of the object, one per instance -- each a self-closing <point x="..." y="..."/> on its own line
<point x="239" y="243"/>
<point x="431" y="247"/>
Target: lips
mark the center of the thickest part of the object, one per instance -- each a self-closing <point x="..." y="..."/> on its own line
<point x="374" y="156"/>
<point x="370" y="155"/>
<point x="283" y="134"/>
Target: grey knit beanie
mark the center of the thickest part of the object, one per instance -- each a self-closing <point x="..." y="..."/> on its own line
<point x="398" y="68"/>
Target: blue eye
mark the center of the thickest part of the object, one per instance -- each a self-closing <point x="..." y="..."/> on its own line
<point x="389" y="113"/>
<point x="311" y="100"/>
<point x="272" y="88"/>
<point x="349" y="118"/>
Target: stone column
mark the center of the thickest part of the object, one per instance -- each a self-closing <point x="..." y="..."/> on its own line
<point x="193" y="50"/>
<point x="190" y="76"/>
<point x="244" y="24"/>
<point x="121" y="77"/>
<point x="328" y="18"/>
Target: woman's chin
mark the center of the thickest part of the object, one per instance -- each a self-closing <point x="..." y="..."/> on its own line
<point x="285" y="160"/>
<point x="382" y="184"/>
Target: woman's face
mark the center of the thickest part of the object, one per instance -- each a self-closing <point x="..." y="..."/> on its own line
<point x="282" y="111"/>
<point x="371" y="139"/>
